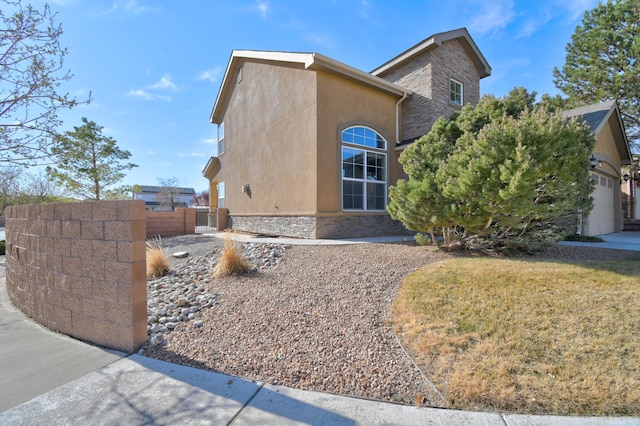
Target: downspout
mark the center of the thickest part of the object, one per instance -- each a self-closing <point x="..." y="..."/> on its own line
<point x="405" y="95"/>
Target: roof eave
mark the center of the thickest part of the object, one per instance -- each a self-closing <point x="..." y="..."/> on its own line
<point x="326" y="63"/>
<point x="309" y="61"/>
<point x="483" y="67"/>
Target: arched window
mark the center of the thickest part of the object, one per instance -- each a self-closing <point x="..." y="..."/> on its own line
<point x="364" y="169"/>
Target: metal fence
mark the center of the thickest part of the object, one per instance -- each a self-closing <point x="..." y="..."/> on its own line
<point x="202" y="222"/>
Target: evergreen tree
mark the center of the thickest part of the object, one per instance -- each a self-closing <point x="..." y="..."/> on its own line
<point x="87" y="162"/>
<point x="503" y="175"/>
<point x="602" y="61"/>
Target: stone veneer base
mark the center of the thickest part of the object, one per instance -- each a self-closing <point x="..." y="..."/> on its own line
<point x="344" y="226"/>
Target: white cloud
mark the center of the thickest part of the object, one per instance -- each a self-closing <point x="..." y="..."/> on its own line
<point x="165" y="83"/>
<point x="212" y="75"/>
<point x="209" y="141"/>
<point x="576" y="8"/>
<point x="531" y="25"/>
<point x="140" y="94"/>
<point x="323" y="40"/>
<point x="129" y="7"/>
<point x="146" y="96"/>
<point x="491" y="16"/>
<point x="61" y="2"/>
<point x="263" y="9"/>
<point x="192" y="154"/>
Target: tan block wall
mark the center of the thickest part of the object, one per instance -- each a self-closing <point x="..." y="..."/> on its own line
<point x="165" y="224"/>
<point x="80" y="269"/>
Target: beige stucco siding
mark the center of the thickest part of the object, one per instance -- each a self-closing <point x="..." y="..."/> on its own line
<point x="342" y="103"/>
<point x="606" y="150"/>
<point x="270" y="130"/>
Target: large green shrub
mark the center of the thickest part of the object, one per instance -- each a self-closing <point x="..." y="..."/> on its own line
<point x="504" y="175"/>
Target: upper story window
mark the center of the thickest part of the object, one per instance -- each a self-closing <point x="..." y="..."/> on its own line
<point x="220" y="138"/>
<point x="364" y="169"/>
<point x="455" y="91"/>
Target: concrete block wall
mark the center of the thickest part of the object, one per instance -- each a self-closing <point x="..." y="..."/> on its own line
<point x="182" y="221"/>
<point x="80" y="269"/>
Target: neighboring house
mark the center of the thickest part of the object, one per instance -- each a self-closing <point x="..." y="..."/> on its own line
<point x="164" y="198"/>
<point x="308" y="146"/>
<point x="610" y="153"/>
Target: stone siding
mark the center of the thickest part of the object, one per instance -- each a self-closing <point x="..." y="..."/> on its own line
<point x="427" y="75"/>
<point x="80" y="269"/>
<point x="182" y="221"/>
<point x="355" y="226"/>
<point x="286" y="226"/>
<point x="347" y="226"/>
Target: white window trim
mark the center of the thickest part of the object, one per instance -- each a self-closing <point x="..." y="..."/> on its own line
<point x="364" y="180"/>
<point x="453" y="80"/>
<point x="221" y="138"/>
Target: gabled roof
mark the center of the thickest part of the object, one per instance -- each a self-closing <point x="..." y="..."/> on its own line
<point x="436" y="40"/>
<point x="314" y="61"/>
<point x="597" y="116"/>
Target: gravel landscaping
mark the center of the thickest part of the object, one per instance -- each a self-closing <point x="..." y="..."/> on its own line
<point x="309" y="317"/>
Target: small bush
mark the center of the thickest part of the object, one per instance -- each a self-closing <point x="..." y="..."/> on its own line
<point x="583" y="238"/>
<point x="231" y="260"/>
<point x="423" y="240"/>
<point x="2" y="253"/>
<point x="157" y="261"/>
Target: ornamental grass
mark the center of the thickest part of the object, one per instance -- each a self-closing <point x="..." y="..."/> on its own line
<point x="158" y="264"/>
<point x="231" y="260"/>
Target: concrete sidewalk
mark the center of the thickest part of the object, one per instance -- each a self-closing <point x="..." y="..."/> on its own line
<point x="628" y="240"/>
<point x="48" y="378"/>
<point x="136" y="390"/>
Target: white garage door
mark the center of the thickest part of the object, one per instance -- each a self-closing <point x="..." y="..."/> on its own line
<point x="602" y="217"/>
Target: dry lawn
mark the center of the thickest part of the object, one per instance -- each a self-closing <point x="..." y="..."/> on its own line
<point x="526" y="336"/>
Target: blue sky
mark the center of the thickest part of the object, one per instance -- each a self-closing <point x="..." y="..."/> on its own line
<point x="154" y="67"/>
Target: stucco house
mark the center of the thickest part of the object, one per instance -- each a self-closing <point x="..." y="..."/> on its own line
<point x="610" y="153"/>
<point x="308" y="146"/>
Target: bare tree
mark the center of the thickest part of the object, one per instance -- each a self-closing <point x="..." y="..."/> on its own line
<point x="169" y="191"/>
<point x="31" y="72"/>
<point x="9" y="185"/>
<point x="41" y="188"/>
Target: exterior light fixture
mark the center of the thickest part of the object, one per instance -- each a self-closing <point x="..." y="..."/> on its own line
<point x="593" y="160"/>
<point x="626" y="177"/>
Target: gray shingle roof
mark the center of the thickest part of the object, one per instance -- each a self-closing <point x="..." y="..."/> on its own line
<point x="594" y="114"/>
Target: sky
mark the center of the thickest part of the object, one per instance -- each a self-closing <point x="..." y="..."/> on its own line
<point x="154" y="67"/>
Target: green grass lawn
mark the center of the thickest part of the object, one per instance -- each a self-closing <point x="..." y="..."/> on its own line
<point x="529" y="336"/>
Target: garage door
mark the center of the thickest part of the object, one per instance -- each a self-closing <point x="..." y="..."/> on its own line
<point x="602" y="217"/>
